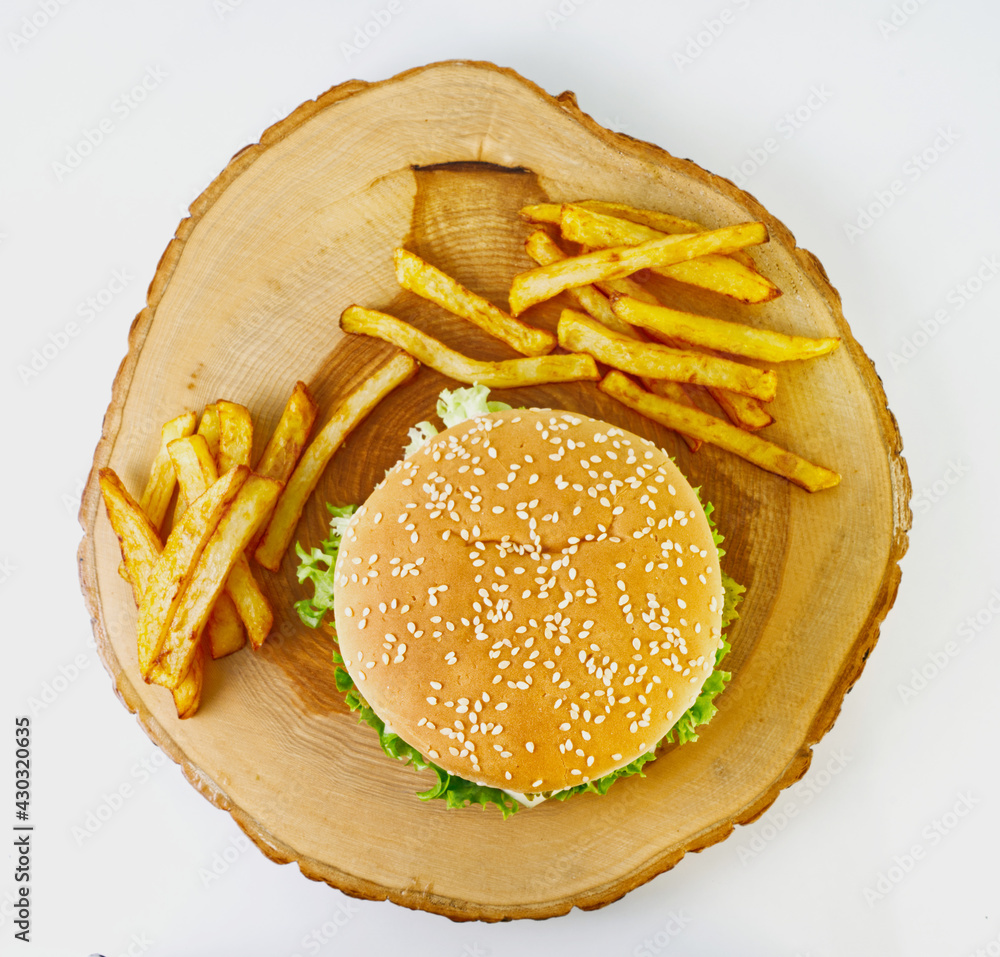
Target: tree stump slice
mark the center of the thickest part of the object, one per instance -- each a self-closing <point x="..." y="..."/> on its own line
<point x="246" y="300"/>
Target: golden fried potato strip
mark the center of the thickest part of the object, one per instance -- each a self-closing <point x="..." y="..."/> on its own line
<point x="425" y="280"/>
<point x="544" y="282"/>
<point x="544" y="249"/>
<point x="204" y="582"/>
<point x="583" y="334"/>
<point x="139" y="540"/>
<point x="208" y="429"/>
<point x="742" y="410"/>
<point x="711" y="272"/>
<point x="155" y="498"/>
<point x="345" y="418"/>
<point x="753" y="448"/>
<point x="187" y="694"/>
<point x="718" y="273"/>
<point x="290" y="435"/>
<point x="141" y="548"/>
<point x="170" y="576"/>
<point x="235" y="435"/>
<point x="285" y="446"/>
<point x="504" y="374"/>
<point x="719" y="334"/>
<point x="663" y="222"/>
<point x="196" y="473"/>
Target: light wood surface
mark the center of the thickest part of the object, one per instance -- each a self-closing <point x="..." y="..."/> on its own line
<point x="245" y="301"/>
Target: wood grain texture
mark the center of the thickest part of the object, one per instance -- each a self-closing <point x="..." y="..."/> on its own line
<point x="245" y="301"/>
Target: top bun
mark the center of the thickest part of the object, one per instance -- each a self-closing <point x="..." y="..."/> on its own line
<point x="531" y="600"/>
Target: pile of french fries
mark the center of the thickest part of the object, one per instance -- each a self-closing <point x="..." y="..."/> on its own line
<point x="196" y="595"/>
<point x="619" y="323"/>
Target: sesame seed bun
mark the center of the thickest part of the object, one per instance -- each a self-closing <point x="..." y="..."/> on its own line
<point x="531" y="599"/>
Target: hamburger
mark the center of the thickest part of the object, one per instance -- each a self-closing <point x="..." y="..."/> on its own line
<point x="529" y="603"/>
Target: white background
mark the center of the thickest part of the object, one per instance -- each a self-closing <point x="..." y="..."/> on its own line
<point x="877" y="86"/>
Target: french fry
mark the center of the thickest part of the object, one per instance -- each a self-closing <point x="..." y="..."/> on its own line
<point x="155" y="498"/>
<point x="580" y="333"/>
<point x="139" y="540"/>
<point x="709" y="428"/>
<point x="544" y="250"/>
<point x="195" y="468"/>
<point x="742" y="410"/>
<point x="290" y="435"/>
<point x="170" y="575"/>
<point x="196" y="473"/>
<point x="664" y="222"/>
<point x="732" y="337"/>
<point x="141" y="549"/>
<point x="544" y="213"/>
<point x="627" y="287"/>
<point x="427" y="281"/>
<point x="675" y="392"/>
<point x="187" y="694"/>
<point x="286" y="443"/>
<point x="224" y="632"/>
<point x="718" y="273"/>
<point x="208" y="429"/>
<point x="304" y="479"/>
<point x="235" y="435"/>
<point x="193" y="464"/>
<point x="505" y="374"/>
<point x="544" y="282"/>
<point x="206" y="579"/>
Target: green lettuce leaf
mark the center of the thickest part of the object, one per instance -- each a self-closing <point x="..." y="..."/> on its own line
<point x="455" y="791"/>
<point x="317" y="566"/>
<point x="419" y="435"/>
<point x="456" y="405"/>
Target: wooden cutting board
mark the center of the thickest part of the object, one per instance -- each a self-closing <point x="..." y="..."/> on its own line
<point x="246" y="299"/>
